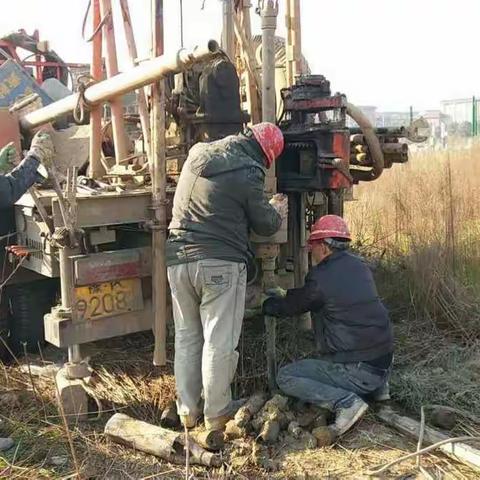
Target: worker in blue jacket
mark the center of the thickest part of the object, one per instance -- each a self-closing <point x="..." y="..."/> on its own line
<point x="353" y="332"/>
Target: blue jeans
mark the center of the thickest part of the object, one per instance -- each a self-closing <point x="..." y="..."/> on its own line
<point x="330" y="385"/>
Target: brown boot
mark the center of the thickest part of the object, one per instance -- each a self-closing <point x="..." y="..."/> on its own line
<point x="189" y="421"/>
<point x="217" y="423"/>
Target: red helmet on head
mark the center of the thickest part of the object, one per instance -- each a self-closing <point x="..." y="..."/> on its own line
<point x="329" y="226"/>
<point x="270" y="139"/>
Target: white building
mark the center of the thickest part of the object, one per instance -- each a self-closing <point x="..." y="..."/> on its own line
<point x="460" y="110"/>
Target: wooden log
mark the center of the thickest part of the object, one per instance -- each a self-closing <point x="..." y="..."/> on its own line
<point x="209" y="439"/>
<point x="246" y="413"/>
<point x="459" y="451"/>
<point x="270" y="431"/>
<point x="157" y="441"/>
<point x="233" y="431"/>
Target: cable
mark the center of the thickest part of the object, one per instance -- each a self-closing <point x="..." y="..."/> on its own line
<point x="5" y="237"/>
<point x="4" y="282"/>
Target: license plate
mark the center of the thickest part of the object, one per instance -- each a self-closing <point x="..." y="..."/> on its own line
<point x="108" y="299"/>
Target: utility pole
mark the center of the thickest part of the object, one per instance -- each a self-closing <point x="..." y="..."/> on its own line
<point x="474" y="117"/>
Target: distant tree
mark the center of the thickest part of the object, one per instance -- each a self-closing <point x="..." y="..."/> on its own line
<point x="465" y="129"/>
<point x="452" y="129"/>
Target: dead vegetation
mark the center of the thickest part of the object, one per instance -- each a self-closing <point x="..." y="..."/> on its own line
<point x="421" y="221"/>
<point x="419" y="224"/>
<point x="126" y="382"/>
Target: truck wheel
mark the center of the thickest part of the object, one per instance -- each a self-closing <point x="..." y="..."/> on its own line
<point x="28" y="304"/>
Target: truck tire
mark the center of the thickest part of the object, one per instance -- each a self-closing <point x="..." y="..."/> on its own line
<point x="28" y="304"/>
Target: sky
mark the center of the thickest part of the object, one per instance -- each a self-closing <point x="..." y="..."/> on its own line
<point x="392" y="54"/>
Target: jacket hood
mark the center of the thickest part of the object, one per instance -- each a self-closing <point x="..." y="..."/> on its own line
<point x="235" y="152"/>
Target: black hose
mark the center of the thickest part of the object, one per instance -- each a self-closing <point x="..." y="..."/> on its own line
<point x="373" y="145"/>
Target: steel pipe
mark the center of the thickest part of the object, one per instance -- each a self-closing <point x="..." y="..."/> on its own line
<point x="269" y="12"/>
<point x="111" y="63"/>
<point x="96" y="168"/>
<point x="159" y="196"/>
<point x="146" y="73"/>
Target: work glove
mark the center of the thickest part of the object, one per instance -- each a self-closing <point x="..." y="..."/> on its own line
<point x="42" y="148"/>
<point x="280" y="203"/>
<point x="8" y="157"/>
<point x="259" y="309"/>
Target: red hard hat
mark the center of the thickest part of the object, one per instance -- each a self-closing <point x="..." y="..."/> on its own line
<point x="329" y="226"/>
<point x="270" y="139"/>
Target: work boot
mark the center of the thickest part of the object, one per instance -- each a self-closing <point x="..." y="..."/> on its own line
<point x="218" y="423"/>
<point x="382" y="394"/>
<point x="189" y="421"/>
<point x="346" y="417"/>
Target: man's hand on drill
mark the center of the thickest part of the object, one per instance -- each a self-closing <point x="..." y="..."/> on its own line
<point x="280" y="203"/>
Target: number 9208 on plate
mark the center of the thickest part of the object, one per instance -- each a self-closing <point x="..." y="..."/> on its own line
<point x="108" y="299"/>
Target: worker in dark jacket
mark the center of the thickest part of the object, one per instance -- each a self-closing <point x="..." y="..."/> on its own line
<point x="14" y="184"/>
<point x="219" y="198"/>
<point x="352" y="329"/>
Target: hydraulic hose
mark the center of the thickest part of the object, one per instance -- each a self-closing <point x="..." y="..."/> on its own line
<point x="373" y="145"/>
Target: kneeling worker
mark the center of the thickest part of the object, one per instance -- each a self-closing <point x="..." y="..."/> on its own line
<point x="352" y="329"/>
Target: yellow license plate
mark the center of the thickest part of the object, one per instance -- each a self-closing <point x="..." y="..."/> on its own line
<point x="108" y="299"/>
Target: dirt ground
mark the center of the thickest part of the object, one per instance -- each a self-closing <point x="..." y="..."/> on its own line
<point x="125" y="381"/>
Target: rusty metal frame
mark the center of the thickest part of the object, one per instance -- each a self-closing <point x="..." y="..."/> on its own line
<point x="108" y="209"/>
<point x="64" y="332"/>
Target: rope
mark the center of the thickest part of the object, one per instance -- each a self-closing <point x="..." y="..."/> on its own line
<point x="84" y="81"/>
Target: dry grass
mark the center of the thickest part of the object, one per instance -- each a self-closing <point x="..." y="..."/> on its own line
<point x="422" y="220"/>
<point x="125" y="381"/>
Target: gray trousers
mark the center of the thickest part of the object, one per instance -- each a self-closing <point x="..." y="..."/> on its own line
<point x="328" y="384"/>
<point x="208" y="299"/>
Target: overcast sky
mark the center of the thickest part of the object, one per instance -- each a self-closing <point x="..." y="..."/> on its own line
<point x="392" y="54"/>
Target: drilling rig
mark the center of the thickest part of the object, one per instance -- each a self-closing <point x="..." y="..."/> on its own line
<point x="98" y="230"/>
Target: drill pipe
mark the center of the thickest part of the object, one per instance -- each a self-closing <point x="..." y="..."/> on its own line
<point x="148" y="72"/>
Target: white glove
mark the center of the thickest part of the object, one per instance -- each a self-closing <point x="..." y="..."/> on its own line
<point x="280" y="203"/>
<point x="42" y="147"/>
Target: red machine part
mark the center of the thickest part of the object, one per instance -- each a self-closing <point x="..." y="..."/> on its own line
<point x="40" y="61"/>
<point x="10" y="131"/>
<point x="19" y="251"/>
